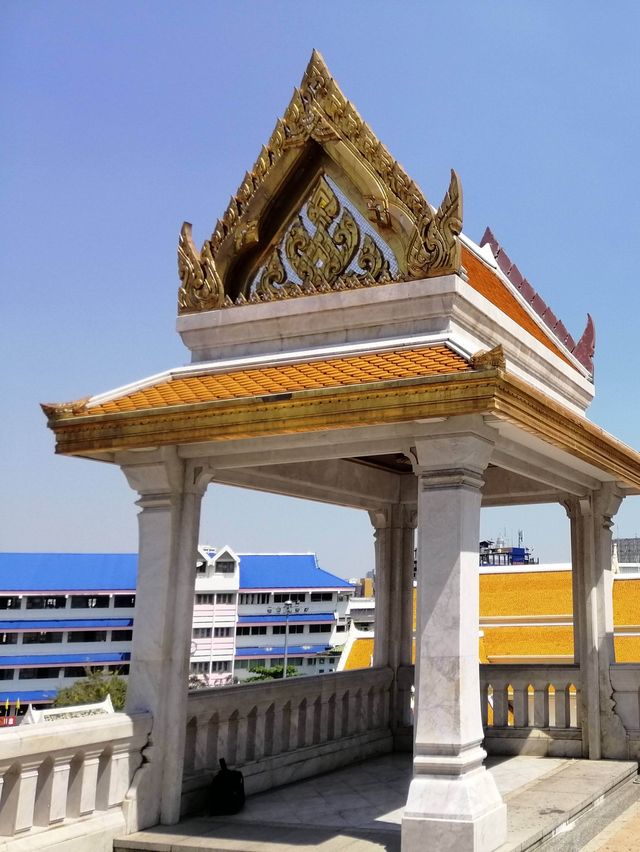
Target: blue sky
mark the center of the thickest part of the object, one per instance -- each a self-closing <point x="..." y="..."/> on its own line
<point x="123" y="119"/>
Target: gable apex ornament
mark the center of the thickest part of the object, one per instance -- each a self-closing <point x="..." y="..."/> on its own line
<point x="320" y="136"/>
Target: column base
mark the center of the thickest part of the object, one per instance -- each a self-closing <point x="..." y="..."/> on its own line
<point x="462" y="812"/>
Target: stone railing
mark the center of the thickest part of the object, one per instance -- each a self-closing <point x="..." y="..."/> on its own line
<point x="279" y="731"/>
<point x="69" y="774"/>
<point x="625" y="680"/>
<point x="531" y="709"/>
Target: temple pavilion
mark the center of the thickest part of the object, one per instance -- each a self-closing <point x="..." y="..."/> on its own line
<point x="350" y="344"/>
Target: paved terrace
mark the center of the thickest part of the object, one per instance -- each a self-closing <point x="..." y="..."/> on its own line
<point x="359" y="809"/>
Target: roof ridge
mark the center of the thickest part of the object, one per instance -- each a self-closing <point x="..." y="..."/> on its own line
<point x="584" y="349"/>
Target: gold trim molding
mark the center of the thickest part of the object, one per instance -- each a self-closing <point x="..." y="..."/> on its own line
<point x="320" y="132"/>
<point x="488" y="391"/>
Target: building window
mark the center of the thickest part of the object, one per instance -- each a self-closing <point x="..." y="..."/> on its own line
<point x="57" y="602"/>
<point x="200" y="667"/>
<point x="124" y="601"/>
<point x="224" y="598"/>
<point x="118" y="670"/>
<point x="293" y="628"/>
<point x="9" y="602"/>
<point x="221" y="631"/>
<point x="89" y="601"/>
<point x="122" y="635"/>
<point x="311" y="661"/>
<point x="253" y="598"/>
<point x="319" y="628"/>
<point x="294" y="597"/>
<point x="87" y="636"/>
<point x="225" y="566"/>
<point x="251" y="631"/>
<point x="42" y="638"/>
<point x="8" y="638"/>
<point x="6" y="674"/>
<point x="294" y="661"/>
<point x="220" y="665"/>
<point x="244" y="664"/>
<point x="36" y="674"/>
<point x="321" y="596"/>
<point x="341" y="628"/>
<point x="205" y="599"/>
<point x="201" y="632"/>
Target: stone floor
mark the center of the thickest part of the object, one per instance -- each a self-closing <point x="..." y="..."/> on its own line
<point x="359" y="809"/>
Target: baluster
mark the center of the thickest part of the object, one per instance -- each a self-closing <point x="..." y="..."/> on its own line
<point x="325" y="713"/>
<point x="578" y="709"/>
<point x="51" y="796"/>
<point x="247" y="736"/>
<point x="84" y="786"/>
<point x="260" y="732"/>
<point x="563" y="710"/>
<point x="484" y="703"/>
<point x="285" y="727"/>
<point x="333" y="718"/>
<point x="312" y="735"/>
<point x="115" y="776"/>
<point x="271" y="736"/>
<point x="500" y="706"/>
<point x="201" y="745"/>
<point x="520" y="705"/>
<point x="541" y="706"/>
<point x="14" y="802"/>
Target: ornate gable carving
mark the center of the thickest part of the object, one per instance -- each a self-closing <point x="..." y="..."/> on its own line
<point x="262" y="248"/>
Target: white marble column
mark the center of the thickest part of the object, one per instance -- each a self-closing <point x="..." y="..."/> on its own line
<point x="453" y="801"/>
<point x="604" y="735"/>
<point x="170" y="497"/>
<point x="394" y="546"/>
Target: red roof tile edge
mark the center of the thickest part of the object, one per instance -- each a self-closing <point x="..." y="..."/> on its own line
<point x="583" y="351"/>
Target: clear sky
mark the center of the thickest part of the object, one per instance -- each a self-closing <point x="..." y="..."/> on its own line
<point x="120" y="120"/>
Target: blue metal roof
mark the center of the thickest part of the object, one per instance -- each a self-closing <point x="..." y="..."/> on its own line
<point x="286" y="571"/>
<point x="292" y="651"/>
<point x="28" y="697"/>
<point x="64" y="623"/>
<point x="59" y="659"/>
<point x="319" y="617"/>
<point x="61" y="572"/>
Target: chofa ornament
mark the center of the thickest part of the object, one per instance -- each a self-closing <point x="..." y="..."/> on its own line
<point x="262" y="237"/>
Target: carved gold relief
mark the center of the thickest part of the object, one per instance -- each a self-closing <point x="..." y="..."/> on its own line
<point x="321" y="259"/>
<point x="320" y="112"/>
<point x="201" y="288"/>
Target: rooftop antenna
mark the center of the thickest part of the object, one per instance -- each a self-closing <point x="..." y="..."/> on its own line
<point x="520" y="538"/>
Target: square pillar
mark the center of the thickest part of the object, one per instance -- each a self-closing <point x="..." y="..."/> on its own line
<point x="170" y="497"/>
<point x="394" y="545"/>
<point x="453" y="801"/>
<point x="591" y="517"/>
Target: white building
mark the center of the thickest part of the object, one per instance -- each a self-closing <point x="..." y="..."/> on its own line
<point x="259" y="608"/>
<point x="64" y="615"/>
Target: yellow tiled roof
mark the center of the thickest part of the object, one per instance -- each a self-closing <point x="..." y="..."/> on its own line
<point x="626" y="602"/>
<point x="287" y="378"/>
<point x="360" y="655"/>
<point x="528" y="593"/>
<point x="627" y="649"/>
<point x="529" y="641"/>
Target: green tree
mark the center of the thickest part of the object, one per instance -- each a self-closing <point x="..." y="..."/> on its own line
<point x="273" y="673"/>
<point x="93" y="688"/>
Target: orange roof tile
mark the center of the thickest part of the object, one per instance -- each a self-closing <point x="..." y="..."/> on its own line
<point x="530" y="641"/>
<point x="488" y="284"/>
<point x="286" y="378"/>
<point x="360" y="655"/>
<point x="626" y="602"/>
<point x="527" y="593"/>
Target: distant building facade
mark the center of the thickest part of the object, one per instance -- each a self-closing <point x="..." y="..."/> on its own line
<point x="65" y="615"/>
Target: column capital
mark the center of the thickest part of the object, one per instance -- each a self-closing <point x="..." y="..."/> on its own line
<point x="461" y="449"/>
<point x="162" y="476"/>
<point x="396" y="516"/>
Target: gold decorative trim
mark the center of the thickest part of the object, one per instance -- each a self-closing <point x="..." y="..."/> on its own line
<point x="320" y="113"/>
<point x="489" y="391"/>
<point x="489" y="359"/>
<point x="58" y="410"/>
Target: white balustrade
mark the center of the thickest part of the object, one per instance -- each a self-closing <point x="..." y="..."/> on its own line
<point x="531" y="709"/>
<point x="55" y="772"/>
<point x="278" y="731"/>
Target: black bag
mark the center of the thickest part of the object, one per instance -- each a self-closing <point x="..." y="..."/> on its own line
<point x="227" y="791"/>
